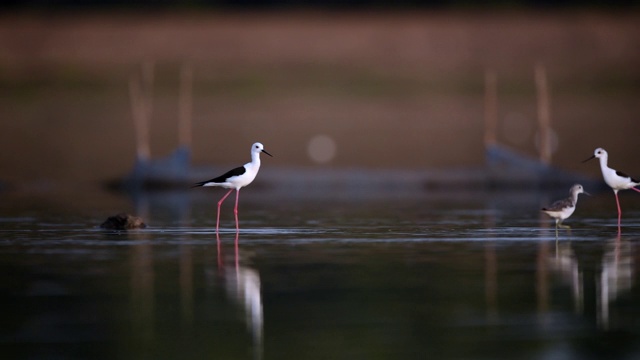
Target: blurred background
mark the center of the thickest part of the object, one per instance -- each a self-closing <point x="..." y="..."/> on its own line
<point x="359" y="89"/>
<point x="349" y="84"/>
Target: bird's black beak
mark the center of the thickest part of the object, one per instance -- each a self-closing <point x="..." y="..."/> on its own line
<point x="265" y="151"/>
<point x="586" y="193"/>
<point x="592" y="157"/>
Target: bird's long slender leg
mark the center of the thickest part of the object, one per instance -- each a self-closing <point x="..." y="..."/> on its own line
<point x="636" y="189"/>
<point x="220" y="204"/>
<point x="235" y="210"/>
<point x="557" y="221"/>
<point x="619" y="210"/>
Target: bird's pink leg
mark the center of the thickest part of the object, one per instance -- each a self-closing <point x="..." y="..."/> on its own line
<point x="636" y="189"/>
<point x="619" y="210"/>
<point x="219" y="204"/>
<point x="235" y="210"/>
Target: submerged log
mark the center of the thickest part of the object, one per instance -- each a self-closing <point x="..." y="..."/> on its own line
<point x="123" y="221"/>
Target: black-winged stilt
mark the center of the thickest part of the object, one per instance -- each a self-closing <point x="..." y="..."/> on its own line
<point x="562" y="209"/>
<point x="617" y="180"/>
<point x="236" y="179"/>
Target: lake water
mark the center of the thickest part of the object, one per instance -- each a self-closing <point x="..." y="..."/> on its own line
<point x="395" y="276"/>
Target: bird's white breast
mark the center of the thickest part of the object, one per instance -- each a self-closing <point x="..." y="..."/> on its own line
<point x="248" y="177"/>
<point x="562" y="213"/>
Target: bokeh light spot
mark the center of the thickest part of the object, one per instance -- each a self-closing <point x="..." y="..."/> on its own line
<point x="321" y="148"/>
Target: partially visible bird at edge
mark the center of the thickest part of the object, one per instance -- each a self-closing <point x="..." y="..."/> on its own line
<point x="617" y="180"/>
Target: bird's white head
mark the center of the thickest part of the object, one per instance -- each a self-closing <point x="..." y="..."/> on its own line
<point x="599" y="153"/>
<point x="257" y="148"/>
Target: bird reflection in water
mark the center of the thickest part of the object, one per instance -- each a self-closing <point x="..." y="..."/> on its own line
<point x="616" y="277"/>
<point x="566" y="264"/>
<point x="613" y="279"/>
<point x="242" y="285"/>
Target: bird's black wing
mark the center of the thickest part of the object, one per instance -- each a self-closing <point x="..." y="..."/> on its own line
<point x="223" y="178"/>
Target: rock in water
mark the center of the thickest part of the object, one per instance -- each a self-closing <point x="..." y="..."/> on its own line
<point x="123" y="221"/>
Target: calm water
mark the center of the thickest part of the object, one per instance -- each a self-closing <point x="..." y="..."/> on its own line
<point x="443" y="276"/>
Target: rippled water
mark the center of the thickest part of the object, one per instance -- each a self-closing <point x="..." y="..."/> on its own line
<point x="446" y="276"/>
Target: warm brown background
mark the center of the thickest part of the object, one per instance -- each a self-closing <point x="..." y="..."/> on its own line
<point x="392" y="89"/>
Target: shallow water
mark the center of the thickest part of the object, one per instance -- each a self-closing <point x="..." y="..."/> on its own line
<point x="447" y="276"/>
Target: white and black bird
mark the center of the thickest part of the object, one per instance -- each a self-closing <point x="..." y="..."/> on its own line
<point x="562" y="209"/>
<point x="616" y="180"/>
<point x="236" y="179"/>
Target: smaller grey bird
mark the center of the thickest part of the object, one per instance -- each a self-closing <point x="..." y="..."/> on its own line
<point x="562" y="209"/>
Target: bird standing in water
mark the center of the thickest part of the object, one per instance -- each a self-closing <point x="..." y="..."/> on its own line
<point x="616" y="180"/>
<point x="236" y="179"/>
<point x="562" y="209"/>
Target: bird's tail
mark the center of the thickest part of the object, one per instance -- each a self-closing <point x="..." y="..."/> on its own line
<point x="198" y="184"/>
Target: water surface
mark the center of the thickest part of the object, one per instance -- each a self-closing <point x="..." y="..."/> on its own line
<point x="447" y="276"/>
